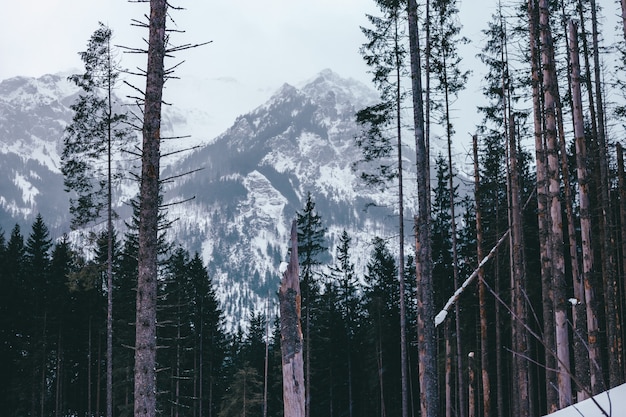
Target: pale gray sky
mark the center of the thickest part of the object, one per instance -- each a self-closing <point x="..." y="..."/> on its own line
<point x="257" y="45"/>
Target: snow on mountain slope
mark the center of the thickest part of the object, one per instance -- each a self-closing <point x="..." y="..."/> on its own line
<point x="256" y="176"/>
<point x="253" y="178"/>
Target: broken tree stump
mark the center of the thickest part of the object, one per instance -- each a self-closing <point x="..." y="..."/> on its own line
<point x="291" y="333"/>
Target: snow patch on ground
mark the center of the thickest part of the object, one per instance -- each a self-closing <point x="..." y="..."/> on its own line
<point x="612" y="401"/>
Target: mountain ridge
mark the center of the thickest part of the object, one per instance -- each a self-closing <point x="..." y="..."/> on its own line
<point x="248" y="185"/>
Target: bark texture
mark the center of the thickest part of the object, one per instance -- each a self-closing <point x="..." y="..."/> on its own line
<point x="145" y="343"/>
<point x="425" y="304"/>
<point x="291" y="334"/>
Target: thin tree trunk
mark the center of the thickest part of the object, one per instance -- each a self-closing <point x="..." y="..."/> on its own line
<point x="581" y="357"/>
<point x="98" y="376"/>
<point x="267" y="347"/>
<point x="518" y="268"/>
<point x="42" y="387"/>
<point x="455" y="256"/>
<point x="586" y="295"/>
<point x="145" y="344"/>
<point x="109" y="384"/>
<point x="89" y="387"/>
<point x="471" y="388"/>
<point x="592" y="318"/>
<point x="556" y="237"/>
<point x="482" y="302"/>
<point x="425" y="303"/>
<point x="448" y="368"/>
<point x="291" y="334"/>
<point x="621" y="175"/>
<point x="608" y="275"/>
<point x="403" y="352"/>
<point x="59" y="373"/>
<point x="542" y="215"/>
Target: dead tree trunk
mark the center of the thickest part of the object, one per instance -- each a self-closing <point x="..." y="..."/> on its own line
<point x="542" y="212"/>
<point x="145" y="343"/>
<point x="606" y="226"/>
<point x="520" y="339"/>
<point x="581" y="358"/>
<point x="554" y="188"/>
<point x="585" y="371"/>
<point x="291" y="334"/>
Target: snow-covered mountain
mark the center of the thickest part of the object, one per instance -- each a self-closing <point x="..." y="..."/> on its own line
<point x="246" y="185"/>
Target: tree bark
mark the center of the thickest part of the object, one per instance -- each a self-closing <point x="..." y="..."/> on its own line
<point x="621" y="175"/>
<point x="425" y="303"/>
<point x="554" y="189"/>
<point x="606" y="226"/>
<point x="520" y="339"/>
<point x="403" y="352"/>
<point x="482" y="293"/>
<point x="291" y="334"/>
<point x="586" y="296"/>
<point x="145" y="343"/>
<point x="581" y="357"/>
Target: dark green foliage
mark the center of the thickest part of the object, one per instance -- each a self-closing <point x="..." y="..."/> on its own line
<point x="96" y="128"/>
<point x="312" y="249"/>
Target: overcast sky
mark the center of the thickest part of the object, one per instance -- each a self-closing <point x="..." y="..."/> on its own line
<point x="257" y="45"/>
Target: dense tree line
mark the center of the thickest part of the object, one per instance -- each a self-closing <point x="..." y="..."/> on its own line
<point x="546" y="315"/>
<point x="54" y="331"/>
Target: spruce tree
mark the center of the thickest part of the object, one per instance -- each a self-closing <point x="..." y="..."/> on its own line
<point x="311" y="251"/>
<point x="97" y="129"/>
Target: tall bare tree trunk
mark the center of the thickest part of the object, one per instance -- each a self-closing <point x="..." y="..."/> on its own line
<point x="606" y="226"/>
<point x="584" y="179"/>
<point x="542" y="212"/>
<point x="559" y="284"/>
<point x="520" y="339"/>
<point x="482" y="293"/>
<point x="447" y="336"/>
<point x="89" y="388"/>
<point x="621" y="175"/>
<point x="585" y="296"/>
<point x="109" y="365"/>
<point x="145" y="342"/>
<point x="581" y="357"/>
<point x="291" y="334"/>
<point x="471" y="388"/>
<point x="455" y="256"/>
<point x="425" y="303"/>
<point x="403" y="352"/>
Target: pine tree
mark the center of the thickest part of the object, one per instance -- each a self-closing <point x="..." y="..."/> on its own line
<point x="89" y="142"/>
<point x="311" y="250"/>
<point x="385" y="54"/>
<point x="381" y="301"/>
<point x="344" y="282"/>
<point x="210" y="340"/>
<point x="37" y="257"/>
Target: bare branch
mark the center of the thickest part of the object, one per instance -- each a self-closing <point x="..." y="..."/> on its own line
<point x="173" y="177"/>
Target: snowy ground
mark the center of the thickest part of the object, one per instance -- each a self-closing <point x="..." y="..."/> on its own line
<point x="613" y="402"/>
